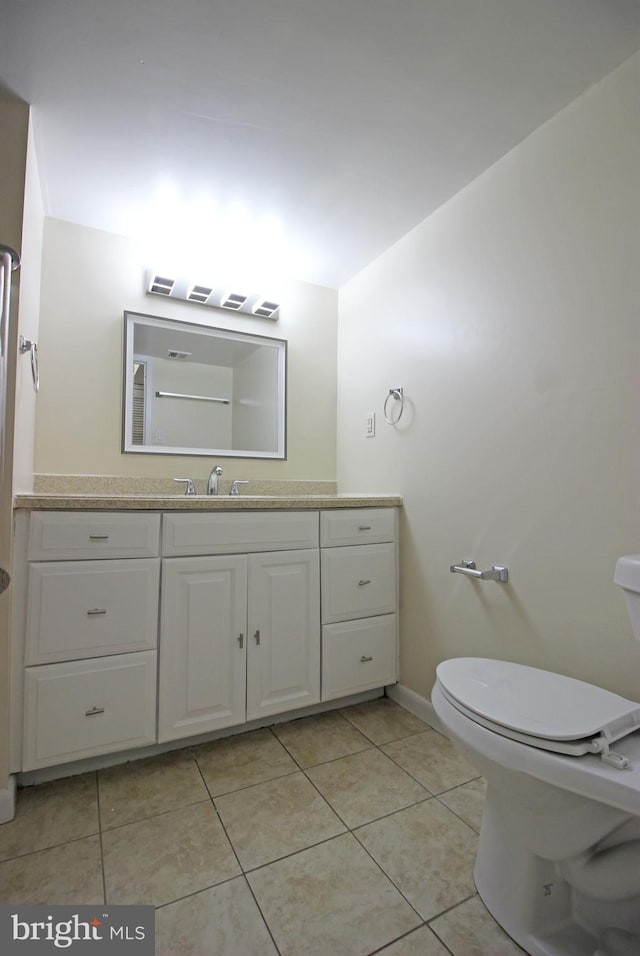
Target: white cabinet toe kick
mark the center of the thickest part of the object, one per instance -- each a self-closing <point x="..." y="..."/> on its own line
<point x="132" y="630"/>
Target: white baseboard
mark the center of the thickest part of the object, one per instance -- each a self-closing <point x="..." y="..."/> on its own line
<point x="415" y="704"/>
<point x="8" y="801"/>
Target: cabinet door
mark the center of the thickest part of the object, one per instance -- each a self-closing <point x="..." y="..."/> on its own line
<point x="283" y="658"/>
<point x="202" y="645"/>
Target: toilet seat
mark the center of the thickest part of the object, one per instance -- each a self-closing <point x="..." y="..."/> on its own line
<point x="539" y="708"/>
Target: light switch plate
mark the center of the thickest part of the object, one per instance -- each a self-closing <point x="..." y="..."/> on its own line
<point x="370" y="425"/>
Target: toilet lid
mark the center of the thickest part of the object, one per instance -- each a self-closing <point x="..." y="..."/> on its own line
<point x="535" y="702"/>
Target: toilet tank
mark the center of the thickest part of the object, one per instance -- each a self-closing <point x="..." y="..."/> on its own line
<point x="628" y="577"/>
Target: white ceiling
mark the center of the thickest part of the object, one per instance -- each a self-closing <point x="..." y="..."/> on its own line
<point x="346" y="122"/>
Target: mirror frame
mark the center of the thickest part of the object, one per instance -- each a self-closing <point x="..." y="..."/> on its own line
<point x="128" y="447"/>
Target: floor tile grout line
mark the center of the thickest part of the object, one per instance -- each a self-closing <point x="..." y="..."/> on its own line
<point x="413" y="777"/>
<point x="461" y="819"/>
<point x="372" y="745"/>
<point x="383" y="754"/>
<point x="261" y="866"/>
<point x="386" y="875"/>
<point x="323" y="763"/>
<point x="453" y="906"/>
<point x="296" y="760"/>
<point x="333" y="810"/>
<point x="205" y="889"/>
<point x="264" y="918"/>
<point x="154" y="816"/>
<point x="449" y="909"/>
<point x="249" y="786"/>
<point x="424" y="925"/>
<point x="464" y="783"/>
<point x="202" y="889"/>
<point x="104" y="875"/>
<point x="52" y="846"/>
<point x="428" y="796"/>
<point x="224" y="829"/>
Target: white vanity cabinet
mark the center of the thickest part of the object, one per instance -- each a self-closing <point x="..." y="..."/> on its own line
<point x="359" y="600"/>
<point x="239" y="632"/>
<point x="135" y="628"/>
<point x="90" y="635"/>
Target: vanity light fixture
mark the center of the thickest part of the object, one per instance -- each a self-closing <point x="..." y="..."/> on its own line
<point x="161" y="285"/>
<point x="266" y="308"/>
<point x="217" y="297"/>
<point x="233" y="300"/>
<point x="199" y="293"/>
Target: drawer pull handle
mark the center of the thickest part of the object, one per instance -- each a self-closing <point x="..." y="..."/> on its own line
<point x="364" y="527"/>
<point x="363" y="581"/>
<point x="94" y="711"/>
<point x="257" y="637"/>
<point x="364" y="659"/>
<point x="98" y="537"/>
<point x="241" y="640"/>
<point x="96" y="610"/>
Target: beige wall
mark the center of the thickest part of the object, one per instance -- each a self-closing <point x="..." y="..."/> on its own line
<point x="28" y="322"/>
<point x="510" y="318"/>
<point x="88" y="278"/>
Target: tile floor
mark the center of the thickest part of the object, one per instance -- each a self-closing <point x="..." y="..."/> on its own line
<point x="344" y="834"/>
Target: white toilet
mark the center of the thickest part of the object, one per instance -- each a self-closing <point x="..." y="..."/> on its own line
<point x="558" y="861"/>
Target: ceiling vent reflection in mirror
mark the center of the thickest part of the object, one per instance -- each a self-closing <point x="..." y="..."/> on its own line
<point x="220" y="297"/>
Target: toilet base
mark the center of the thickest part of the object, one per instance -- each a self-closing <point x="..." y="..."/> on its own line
<point x="524" y="893"/>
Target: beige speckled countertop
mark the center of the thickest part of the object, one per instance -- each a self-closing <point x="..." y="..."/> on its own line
<point x="118" y="493"/>
<point x="94" y="502"/>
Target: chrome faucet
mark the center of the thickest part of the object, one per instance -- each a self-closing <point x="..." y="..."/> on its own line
<point x="212" y="484"/>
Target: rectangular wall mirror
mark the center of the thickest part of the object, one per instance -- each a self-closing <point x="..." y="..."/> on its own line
<point x="195" y="390"/>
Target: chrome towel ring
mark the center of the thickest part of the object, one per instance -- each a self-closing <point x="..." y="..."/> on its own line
<point x="397" y="394"/>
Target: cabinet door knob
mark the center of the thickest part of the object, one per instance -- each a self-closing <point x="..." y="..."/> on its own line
<point x="98" y="537"/>
<point x="94" y="711"/>
<point x="257" y="637"/>
<point x="96" y="610"/>
<point x="241" y="640"/>
<point x="364" y="527"/>
<point x="364" y="659"/>
<point x="363" y="581"/>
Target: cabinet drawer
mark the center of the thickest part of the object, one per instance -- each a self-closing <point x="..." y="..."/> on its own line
<point x="233" y="533"/>
<point x="91" y="608"/>
<point x="83" y="708"/>
<point x="66" y="536"/>
<point x="358" y="655"/>
<point x="357" y="525"/>
<point x="358" y="582"/>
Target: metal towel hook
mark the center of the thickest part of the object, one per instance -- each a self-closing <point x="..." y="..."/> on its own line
<point x="398" y="395"/>
<point x="26" y="345"/>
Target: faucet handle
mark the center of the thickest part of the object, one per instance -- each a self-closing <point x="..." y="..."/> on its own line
<point x="189" y="490"/>
<point x="234" y="485"/>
